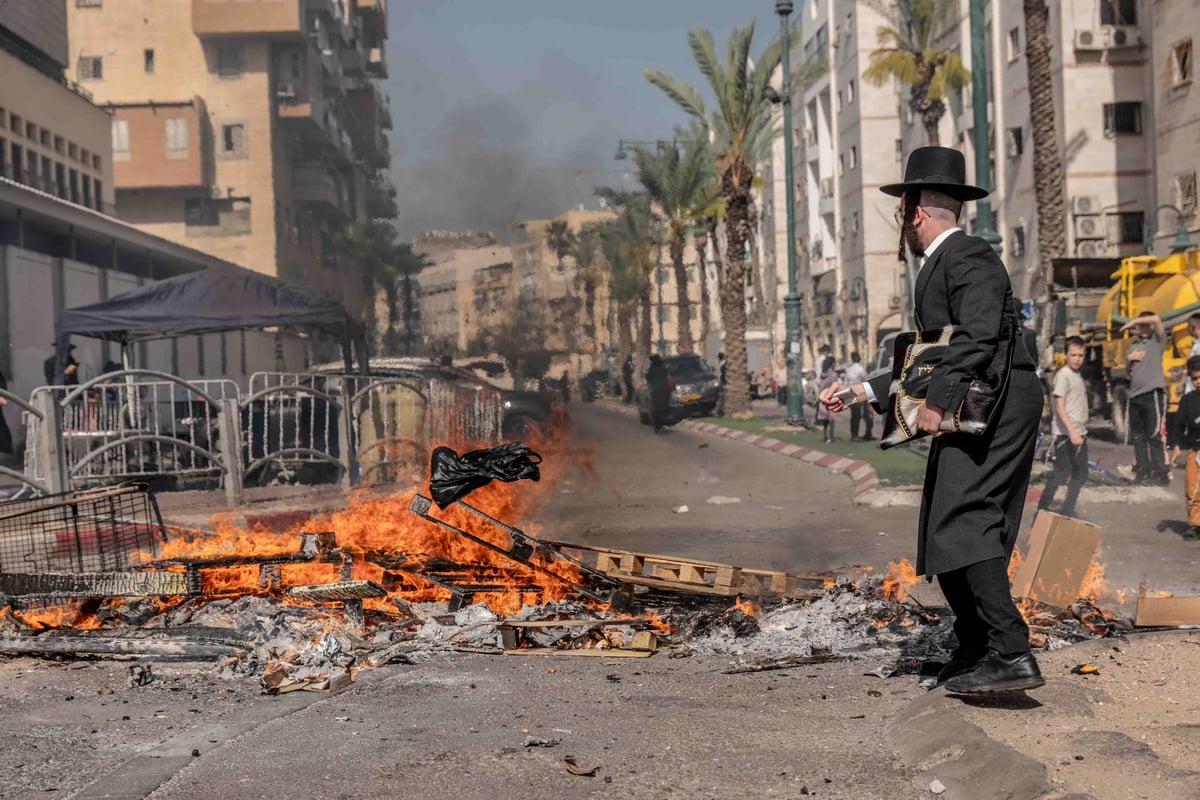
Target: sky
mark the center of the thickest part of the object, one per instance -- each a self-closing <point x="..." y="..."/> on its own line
<point x="497" y="103"/>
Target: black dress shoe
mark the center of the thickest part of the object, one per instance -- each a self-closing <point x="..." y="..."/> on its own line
<point x="997" y="673"/>
<point x="960" y="663"/>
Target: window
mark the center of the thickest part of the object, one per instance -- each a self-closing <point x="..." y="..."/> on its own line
<point x="850" y="92"/>
<point x="229" y="61"/>
<point x="73" y="152"/>
<point x="899" y="150"/>
<point x="1118" y="12"/>
<point x="99" y="195"/>
<point x="74" y="186"/>
<point x="853" y="157"/>
<point x="1015" y="141"/>
<point x="120" y="139"/>
<point x="1127" y="227"/>
<point x="177" y="137"/>
<point x="31" y="131"/>
<point x="842" y="164"/>
<point x="45" y="138"/>
<point x="88" y="3"/>
<point x="1017" y="238"/>
<point x="87" y="191"/>
<point x="60" y="144"/>
<point x="1185" y="191"/>
<point x="15" y="123"/>
<point x="1122" y="119"/>
<point x="60" y="180"/>
<point x="1014" y="44"/>
<point x="224" y="216"/>
<point x="148" y="59"/>
<point x="3" y="119"/>
<point x="91" y="68"/>
<point x="233" y="140"/>
<point x="296" y="66"/>
<point x="18" y="162"/>
<point x="839" y="100"/>
<point x="1181" y="63"/>
<point x="96" y="163"/>
<point x="85" y="158"/>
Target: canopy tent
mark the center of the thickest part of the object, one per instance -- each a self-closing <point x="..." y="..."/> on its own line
<point x="208" y="301"/>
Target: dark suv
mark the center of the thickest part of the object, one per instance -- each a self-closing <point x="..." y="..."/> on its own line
<point x="695" y="389"/>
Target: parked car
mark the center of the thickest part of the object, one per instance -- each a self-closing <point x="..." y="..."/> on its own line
<point x="597" y="383"/>
<point x="695" y="389"/>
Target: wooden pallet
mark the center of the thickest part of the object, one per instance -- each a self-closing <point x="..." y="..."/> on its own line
<point x="668" y="573"/>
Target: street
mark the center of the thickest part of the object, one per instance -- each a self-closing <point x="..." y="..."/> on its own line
<point x="457" y="725"/>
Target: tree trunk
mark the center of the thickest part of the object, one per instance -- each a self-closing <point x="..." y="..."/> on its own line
<point x="683" y="320"/>
<point x="705" y="292"/>
<point x="758" y="305"/>
<point x="589" y="299"/>
<point x="733" y="298"/>
<point x="1047" y="156"/>
<point x="625" y="347"/>
<point x="646" y="328"/>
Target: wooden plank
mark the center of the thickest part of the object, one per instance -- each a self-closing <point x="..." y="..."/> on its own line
<point x="1060" y="551"/>
<point x="728" y="576"/>
<point x="94" y="584"/>
<point x="690" y="573"/>
<point x="593" y="652"/>
<point x="1154" y="612"/>
<point x="632" y="564"/>
<point x="571" y="623"/>
<point x="345" y="590"/>
<point x="644" y="640"/>
<point x="607" y="555"/>
<point x="608" y="563"/>
<point x="67" y="645"/>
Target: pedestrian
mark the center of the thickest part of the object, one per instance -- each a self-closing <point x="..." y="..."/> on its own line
<point x="975" y="485"/>
<point x="824" y="415"/>
<point x="70" y="371"/>
<point x="6" y="442"/>
<point x="1147" y="401"/>
<point x="860" y="413"/>
<point x="1187" y="438"/>
<point x="659" y="382"/>
<point x="1069" y="429"/>
<point x="566" y="386"/>
<point x="627" y="379"/>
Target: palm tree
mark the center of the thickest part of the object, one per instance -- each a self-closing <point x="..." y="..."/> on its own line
<point x="627" y="244"/>
<point x="913" y="50"/>
<point x="739" y="129"/>
<point x="588" y="253"/>
<point x="368" y="247"/>
<point x="1047" y="156"/>
<point x="677" y="181"/>
<point x="560" y="240"/>
<point x="407" y="264"/>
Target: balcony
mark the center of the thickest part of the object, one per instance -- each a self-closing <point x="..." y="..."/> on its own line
<point x="381" y="201"/>
<point x="353" y="62"/>
<point x="239" y="17"/>
<point x="374" y="16"/>
<point x="825" y="204"/>
<point x="377" y="62"/>
<point x="316" y="189"/>
<point x="170" y="146"/>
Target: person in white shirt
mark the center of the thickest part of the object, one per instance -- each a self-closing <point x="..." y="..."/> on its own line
<point x="860" y="413"/>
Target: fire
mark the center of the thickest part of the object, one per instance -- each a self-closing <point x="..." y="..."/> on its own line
<point x="1094" y="587"/>
<point x="747" y="607"/>
<point x="1014" y="564"/>
<point x="71" y="615"/>
<point x="900" y="578"/>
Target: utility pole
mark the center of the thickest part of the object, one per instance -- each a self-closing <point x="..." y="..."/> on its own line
<point x="792" y="302"/>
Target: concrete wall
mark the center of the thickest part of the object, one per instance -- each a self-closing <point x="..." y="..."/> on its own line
<point x="42" y="23"/>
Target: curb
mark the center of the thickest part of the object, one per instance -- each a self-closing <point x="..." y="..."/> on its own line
<point x="866" y="480"/>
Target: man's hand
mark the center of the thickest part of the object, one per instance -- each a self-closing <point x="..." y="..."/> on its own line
<point x="929" y="420"/>
<point x="1075" y="438"/>
<point x="70" y="369"/>
<point x="1136" y="355"/>
<point x="834" y="404"/>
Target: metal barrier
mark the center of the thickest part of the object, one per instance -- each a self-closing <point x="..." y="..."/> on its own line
<point x="141" y="424"/>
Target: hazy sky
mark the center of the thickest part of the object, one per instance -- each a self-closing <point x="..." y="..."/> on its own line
<point x="497" y="102"/>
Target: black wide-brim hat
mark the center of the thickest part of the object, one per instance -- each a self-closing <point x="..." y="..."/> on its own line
<point x="939" y="168"/>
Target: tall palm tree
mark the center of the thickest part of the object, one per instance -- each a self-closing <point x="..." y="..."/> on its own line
<point x="913" y="49"/>
<point x="1047" y="155"/>
<point x="407" y="264"/>
<point x="369" y="248"/>
<point x="739" y="128"/>
<point x="628" y="246"/>
<point x="560" y="240"/>
<point x="677" y="181"/>
<point x="588" y="253"/>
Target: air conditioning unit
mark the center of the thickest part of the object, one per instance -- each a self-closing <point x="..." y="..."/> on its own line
<point x="1091" y="227"/>
<point x="1085" y="204"/>
<point x="285" y="89"/>
<point x="894" y="302"/>
<point x="1119" y="36"/>
<point x="1092" y="249"/>
<point x="1088" y="39"/>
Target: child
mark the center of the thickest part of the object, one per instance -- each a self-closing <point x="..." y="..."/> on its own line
<point x="1187" y="437"/>
<point x="824" y="415"/>
<point x="1070" y="429"/>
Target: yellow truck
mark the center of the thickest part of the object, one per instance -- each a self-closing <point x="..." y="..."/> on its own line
<point x="1168" y="287"/>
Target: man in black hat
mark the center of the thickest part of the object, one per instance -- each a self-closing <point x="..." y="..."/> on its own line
<point x="70" y="371"/>
<point x="975" y="486"/>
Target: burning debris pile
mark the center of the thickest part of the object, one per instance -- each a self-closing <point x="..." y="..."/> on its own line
<point x="396" y="580"/>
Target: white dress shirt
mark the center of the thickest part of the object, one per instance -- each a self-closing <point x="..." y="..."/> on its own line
<point x="929" y="251"/>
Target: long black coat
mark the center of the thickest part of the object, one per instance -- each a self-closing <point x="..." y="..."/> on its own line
<point x="975" y="486"/>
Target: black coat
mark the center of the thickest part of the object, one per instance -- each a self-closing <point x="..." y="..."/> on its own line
<point x="975" y="486"/>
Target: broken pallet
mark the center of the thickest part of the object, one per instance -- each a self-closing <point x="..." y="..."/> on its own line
<point x="673" y="574"/>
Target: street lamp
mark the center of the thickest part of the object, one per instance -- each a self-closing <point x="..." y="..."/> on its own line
<point x="1182" y="240"/>
<point x="791" y="302"/>
<point x="986" y="223"/>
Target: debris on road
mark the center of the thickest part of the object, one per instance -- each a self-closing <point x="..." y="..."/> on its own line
<point x="1061" y="550"/>
<point x="1166" y="611"/>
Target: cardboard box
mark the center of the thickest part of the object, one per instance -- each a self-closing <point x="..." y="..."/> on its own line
<point x="1060" y="551"/>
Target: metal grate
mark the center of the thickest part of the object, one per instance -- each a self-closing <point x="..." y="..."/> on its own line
<point x="97" y="530"/>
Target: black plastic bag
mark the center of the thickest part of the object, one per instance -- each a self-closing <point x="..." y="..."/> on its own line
<point x="452" y="477"/>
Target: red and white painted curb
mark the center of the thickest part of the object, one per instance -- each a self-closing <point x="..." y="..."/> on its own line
<point x="862" y="473"/>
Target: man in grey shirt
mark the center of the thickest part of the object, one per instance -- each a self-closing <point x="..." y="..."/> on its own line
<point x="1147" y="401"/>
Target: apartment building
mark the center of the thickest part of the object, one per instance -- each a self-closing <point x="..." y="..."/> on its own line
<point x="52" y="137"/>
<point x="1173" y="30"/>
<point x="250" y="129"/>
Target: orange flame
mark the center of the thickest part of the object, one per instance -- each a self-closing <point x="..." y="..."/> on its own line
<point x="901" y="577"/>
<point x="747" y="607"/>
